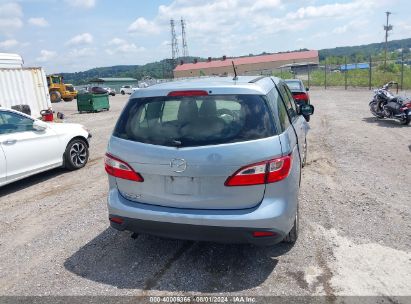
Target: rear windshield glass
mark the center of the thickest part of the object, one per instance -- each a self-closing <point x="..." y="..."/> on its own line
<point x="195" y="121"/>
<point x="294" y="85"/>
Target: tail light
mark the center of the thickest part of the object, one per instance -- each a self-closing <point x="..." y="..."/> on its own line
<point x="300" y="96"/>
<point x="188" y="93"/>
<point x="266" y="172"/>
<point x="407" y="106"/>
<point x="118" y="168"/>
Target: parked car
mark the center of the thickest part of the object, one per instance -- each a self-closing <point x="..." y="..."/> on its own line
<point x="83" y="90"/>
<point x="98" y="90"/>
<point x="211" y="159"/>
<point x="29" y="146"/>
<point x="126" y="89"/>
<point x="110" y="91"/>
<point x="299" y="91"/>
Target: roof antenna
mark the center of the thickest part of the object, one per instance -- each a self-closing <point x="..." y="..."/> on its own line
<point x="235" y="71"/>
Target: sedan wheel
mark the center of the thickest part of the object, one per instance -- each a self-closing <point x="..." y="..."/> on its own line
<point x="76" y="155"/>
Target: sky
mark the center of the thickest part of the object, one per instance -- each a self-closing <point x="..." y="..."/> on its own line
<point x="76" y="35"/>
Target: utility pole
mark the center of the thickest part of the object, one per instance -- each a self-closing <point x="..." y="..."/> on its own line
<point x="345" y="73"/>
<point x="402" y="68"/>
<point x="184" y="39"/>
<point x="387" y="28"/>
<point x="370" y="74"/>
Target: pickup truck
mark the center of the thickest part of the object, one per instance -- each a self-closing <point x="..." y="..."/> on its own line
<point x="127" y="89"/>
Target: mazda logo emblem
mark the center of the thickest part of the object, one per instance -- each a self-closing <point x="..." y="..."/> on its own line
<point x="178" y="165"/>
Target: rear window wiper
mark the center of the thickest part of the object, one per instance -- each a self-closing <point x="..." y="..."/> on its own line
<point x="176" y="142"/>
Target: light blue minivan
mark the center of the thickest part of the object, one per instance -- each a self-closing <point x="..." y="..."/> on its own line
<point x="213" y="159"/>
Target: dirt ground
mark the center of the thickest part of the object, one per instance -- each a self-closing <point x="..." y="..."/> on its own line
<point x="355" y="222"/>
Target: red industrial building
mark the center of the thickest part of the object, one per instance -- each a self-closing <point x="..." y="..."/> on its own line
<point x="246" y="65"/>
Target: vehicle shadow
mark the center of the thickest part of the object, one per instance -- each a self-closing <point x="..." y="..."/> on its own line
<point x="152" y="263"/>
<point x="387" y="123"/>
<point x="30" y="181"/>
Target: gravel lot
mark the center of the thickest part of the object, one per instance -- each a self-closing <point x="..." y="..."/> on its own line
<point x="355" y="213"/>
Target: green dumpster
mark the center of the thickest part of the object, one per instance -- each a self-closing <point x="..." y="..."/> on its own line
<point x="88" y="102"/>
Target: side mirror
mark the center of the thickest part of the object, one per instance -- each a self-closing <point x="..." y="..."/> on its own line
<point x="306" y="109"/>
<point x="307" y="89"/>
<point x="39" y="125"/>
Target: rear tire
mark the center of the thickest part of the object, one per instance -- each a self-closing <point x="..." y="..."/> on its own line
<point x="406" y="121"/>
<point x="293" y="234"/>
<point x="55" y="96"/>
<point x="76" y="154"/>
<point x="123" y="93"/>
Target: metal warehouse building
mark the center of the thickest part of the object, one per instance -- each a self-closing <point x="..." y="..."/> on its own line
<point x="245" y="65"/>
<point x="114" y="83"/>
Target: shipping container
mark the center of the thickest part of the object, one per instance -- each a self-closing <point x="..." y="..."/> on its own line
<point x="24" y="86"/>
<point x="8" y="60"/>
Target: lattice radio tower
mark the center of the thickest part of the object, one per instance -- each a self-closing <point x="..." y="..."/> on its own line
<point x="184" y="38"/>
<point x="174" y="44"/>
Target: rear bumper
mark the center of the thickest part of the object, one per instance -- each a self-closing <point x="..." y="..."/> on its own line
<point x="232" y="226"/>
<point x="235" y="235"/>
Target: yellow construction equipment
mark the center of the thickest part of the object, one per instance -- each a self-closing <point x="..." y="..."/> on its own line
<point x="59" y="90"/>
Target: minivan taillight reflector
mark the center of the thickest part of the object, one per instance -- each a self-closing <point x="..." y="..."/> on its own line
<point x="270" y="171"/>
<point x="116" y="220"/>
<point x="118" y="168"/>
<point x="263" y="233"/>
<point x="188" y="93"/>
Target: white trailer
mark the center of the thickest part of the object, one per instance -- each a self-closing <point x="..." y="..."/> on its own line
<point x="20" y="85"/>
<point x="9" y="60"/>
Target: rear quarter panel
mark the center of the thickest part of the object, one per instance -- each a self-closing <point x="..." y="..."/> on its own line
<point x="288" y="189"/>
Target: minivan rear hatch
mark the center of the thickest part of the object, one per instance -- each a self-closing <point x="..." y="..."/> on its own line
<point x="185" y="148"/>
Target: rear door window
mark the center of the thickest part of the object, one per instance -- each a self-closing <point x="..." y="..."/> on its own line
<point x="289" y="101"/>
<point x="277" y="108"/>
<point x="283" y="116"/>
<point x="195" y="121"/>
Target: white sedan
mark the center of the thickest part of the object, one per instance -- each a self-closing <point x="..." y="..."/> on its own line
<point x="29" y="146"/>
